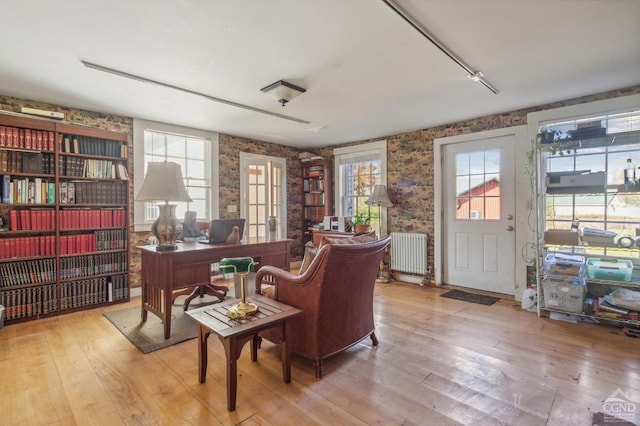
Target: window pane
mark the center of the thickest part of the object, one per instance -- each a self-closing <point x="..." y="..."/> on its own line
<point x="168" y="147"/>
<point x="478" y="185"/>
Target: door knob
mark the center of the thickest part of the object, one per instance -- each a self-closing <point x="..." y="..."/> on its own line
<point x="509" y="228"/>
<point x="509" y="217"/>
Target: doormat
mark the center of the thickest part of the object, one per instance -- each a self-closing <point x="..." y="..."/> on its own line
<point x="470" y="297"/>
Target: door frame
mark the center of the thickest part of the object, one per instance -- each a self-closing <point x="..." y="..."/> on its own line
<point x="523" y="202"/>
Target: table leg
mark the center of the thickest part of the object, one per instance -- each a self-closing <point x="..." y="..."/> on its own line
<point x="254" y="347"/>
<point x="203" y="334"/>
<point x="286" y="354"/>
<point x="167" y="314"/>
<point x="231" y="351"/>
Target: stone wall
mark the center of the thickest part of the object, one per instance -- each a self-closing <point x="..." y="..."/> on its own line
<point x="409" y="161"/>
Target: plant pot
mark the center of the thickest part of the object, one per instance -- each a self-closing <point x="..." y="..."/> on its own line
<point x="361" y="229"/>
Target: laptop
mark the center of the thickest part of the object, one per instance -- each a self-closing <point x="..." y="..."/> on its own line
<point x="221" y="228"/>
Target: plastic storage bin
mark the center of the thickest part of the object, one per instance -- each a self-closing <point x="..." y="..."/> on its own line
<point x="565" y="294"/>
<point x="609" y="269"/>
<point x="565" y="264"/>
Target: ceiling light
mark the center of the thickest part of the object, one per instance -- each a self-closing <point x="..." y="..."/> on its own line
<point x="192" y="92"/>
<point x="476" y="76"/>
<point x="282" y="91"/>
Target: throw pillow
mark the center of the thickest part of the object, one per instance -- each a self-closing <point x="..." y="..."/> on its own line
<point x="365" y="238"/>
<point x="309" y="253"/>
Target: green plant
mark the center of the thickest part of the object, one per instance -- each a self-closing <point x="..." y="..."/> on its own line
<point x="360" y="219"/>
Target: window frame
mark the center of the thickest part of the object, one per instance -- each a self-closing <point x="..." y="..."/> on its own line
<point x="246" y="159"/>
<point x="357" y="153"/>
<point x="139" y="128"/>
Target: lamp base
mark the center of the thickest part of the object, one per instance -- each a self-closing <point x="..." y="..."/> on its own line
<point x="242" y="310"/>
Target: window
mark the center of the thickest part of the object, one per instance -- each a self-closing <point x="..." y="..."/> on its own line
<point x="263" y="193"/>
<point x="194" y="150"/>
<point x="614" y="206"/>
<point x="359" y="169"/>
<point x="478" y="185"/>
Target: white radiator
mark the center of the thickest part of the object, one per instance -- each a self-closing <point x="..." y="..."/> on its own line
<point x="409" y="253"/>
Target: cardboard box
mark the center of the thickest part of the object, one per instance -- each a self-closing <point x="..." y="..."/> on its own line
<point x="564" y="264"/>
<point x="561" y="237"/>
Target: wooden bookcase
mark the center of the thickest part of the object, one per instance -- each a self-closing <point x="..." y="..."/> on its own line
<point x="317" y="189"/>
<point x="64" y="242"/>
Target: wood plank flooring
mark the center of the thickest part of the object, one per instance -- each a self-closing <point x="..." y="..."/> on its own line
<point x="439" y="362"/>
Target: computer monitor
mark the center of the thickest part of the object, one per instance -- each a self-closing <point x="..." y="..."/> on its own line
<point x="221" y="228"/>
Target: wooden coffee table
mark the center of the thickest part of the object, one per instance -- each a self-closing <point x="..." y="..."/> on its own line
<point x="235" y="333"/>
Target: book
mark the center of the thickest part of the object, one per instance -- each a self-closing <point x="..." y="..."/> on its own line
<point x="6" y="183"/>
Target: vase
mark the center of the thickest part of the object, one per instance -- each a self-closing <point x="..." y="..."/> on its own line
<point x="272" y="228"/>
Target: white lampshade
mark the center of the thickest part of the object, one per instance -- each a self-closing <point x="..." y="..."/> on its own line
<point x="379" y="197"/>
<point x="163" y="182"/>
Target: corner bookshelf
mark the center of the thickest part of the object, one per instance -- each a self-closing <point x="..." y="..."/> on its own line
<point x="316" y="194"/>
<point x="64" y="242"/>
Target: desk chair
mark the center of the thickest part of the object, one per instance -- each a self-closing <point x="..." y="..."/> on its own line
<point x="201" y="289"/>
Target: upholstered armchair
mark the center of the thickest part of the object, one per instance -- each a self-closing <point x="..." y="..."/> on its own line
<point x="336" y="295"/>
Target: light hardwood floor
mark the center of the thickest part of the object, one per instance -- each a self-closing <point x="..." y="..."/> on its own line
<point x="439" y="362"/>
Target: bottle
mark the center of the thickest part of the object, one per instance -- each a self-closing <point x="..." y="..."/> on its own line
<point x="630" y="173"/>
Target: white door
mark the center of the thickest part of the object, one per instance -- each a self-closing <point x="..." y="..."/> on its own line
<point x="479" y="210"/>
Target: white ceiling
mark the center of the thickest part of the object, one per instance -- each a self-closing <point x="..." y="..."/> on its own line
<point x="367" y="72"/>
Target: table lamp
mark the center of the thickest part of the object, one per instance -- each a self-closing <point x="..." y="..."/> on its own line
<point x="380" y="198"/>
<point x="163" y="182"/>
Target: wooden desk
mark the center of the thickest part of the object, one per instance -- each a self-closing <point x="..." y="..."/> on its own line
<point x="235" y="333"/>
<point x="189" y="265"/>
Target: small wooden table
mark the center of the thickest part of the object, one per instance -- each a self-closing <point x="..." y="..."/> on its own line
<point x="235" y="333"/>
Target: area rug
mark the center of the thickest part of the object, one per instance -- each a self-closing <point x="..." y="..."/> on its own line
<point x="148" y="336"/>
<point x="470" y="297"/>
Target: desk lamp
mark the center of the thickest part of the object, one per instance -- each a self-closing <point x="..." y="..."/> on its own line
<point x="163" y="182"/>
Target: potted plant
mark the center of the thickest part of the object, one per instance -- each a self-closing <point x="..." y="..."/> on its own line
<point x="548" y="136"/>
<point x="360" y="223"/>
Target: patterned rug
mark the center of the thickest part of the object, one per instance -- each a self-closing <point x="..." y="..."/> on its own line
<point x="148" y="336"/>
<point x="470" y="297"/>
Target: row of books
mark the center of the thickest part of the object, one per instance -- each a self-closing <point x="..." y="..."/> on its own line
<point x="91" y="168"/>
<point x="15" y="137"/>
<point x="77" y="243"/>
<point x="315" y="214"/>
<point x="80" y="218"/>
<point x="316" y="198"/>
<point x="32" y="219"/>
<point x="313" y="185"/>
<point x="92" y="146"/>
<point x="27" y="302"/>
<point x="604" y="309"/>
<point x="27" y="272"/>
<point x="34" y="245"/>
<point x="102" y="192"/>
<point x="111" y="239"/>
<point x="28" y="191"/>
<point x="86" y="266"/>
<point x="94" y="291"/>
<point x="26" y="162"/>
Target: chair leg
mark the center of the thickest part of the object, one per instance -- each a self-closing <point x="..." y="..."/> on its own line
<point x="318" y="364"/>
<point x="374" y="339"/>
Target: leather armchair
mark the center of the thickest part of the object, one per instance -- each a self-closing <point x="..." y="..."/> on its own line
<point x="336" y="295"/>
